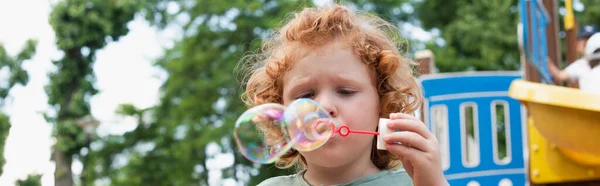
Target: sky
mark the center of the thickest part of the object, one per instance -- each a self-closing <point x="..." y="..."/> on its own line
<point x="124" y="74"/>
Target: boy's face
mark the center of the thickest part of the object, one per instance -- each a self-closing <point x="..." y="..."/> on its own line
<point x="336" y="78"/>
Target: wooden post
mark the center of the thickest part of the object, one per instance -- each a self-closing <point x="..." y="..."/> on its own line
<point x="426" y="61"/>
<point x="552" y="32"/>
<point x="531" y="73"/>
<point x="571" y="44"/>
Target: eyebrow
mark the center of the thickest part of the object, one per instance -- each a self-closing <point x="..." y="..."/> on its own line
<point x="303" y="81"/>
<point x="339" y="77"/>
<point x="299" y="83"/>
<point x="352" y="80"/>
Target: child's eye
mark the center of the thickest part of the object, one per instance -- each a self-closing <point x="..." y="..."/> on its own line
<point x="306" y="95"/>
<point x="346" y="92"/>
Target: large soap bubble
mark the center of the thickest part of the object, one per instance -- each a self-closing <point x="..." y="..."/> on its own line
<point x="259" y="136"/>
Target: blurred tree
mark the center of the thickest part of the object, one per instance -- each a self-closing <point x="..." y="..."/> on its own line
<point x="81" y="28"/>
<point x="589" y="15"/>
<point x="477" y="35"/>
<point x="15" y="75"/>
<point x="4" y="129"/>
<point x="200" y="98"/>
<point x="31" y="180"/>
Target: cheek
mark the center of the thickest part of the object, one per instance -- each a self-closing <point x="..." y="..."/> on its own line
<point x="364" y="112"/>
<point x="373" y="102"/>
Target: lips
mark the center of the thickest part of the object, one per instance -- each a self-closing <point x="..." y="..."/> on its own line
<point x="324" y="125"/>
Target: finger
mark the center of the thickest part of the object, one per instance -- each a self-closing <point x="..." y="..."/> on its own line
<point x="412" y="157"/>
<point x="399" y="115"/>
<point x="407" y="166"/>
<point x="408" y="138"/>
<point x="410" y="125"/>
<point x="409" y="155"/>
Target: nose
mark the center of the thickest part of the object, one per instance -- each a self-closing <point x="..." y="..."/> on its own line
<point x="328" y="104"/>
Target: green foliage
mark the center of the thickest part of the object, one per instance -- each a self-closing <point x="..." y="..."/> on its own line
<point x="4" y="128"/>
<point x="478" y="35"/>
<point x="32" y="180"/>
<point x="200" y="69"/>
<point x="128" y="110"/>
<point x="501" y="130"/>
<point x="470" y="121"/>
<point x="589" y="15"/>
<point x="14" y="64"/>
<point x="16" y="75"/>
<point x="81" y="28"/>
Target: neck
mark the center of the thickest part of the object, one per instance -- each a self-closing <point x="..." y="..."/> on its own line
<point x="318" y="175"/>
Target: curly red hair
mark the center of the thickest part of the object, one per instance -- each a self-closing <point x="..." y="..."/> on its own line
<point x="375" y="41"/>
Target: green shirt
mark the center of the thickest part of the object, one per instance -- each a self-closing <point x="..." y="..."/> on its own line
<point x="386" y="177"/>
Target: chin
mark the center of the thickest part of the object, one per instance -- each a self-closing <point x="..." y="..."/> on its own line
<point x="329" y="160"/>
<point x="332" y="154"/>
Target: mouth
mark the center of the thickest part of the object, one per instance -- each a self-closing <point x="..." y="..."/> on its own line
<point x="324" y="126"/>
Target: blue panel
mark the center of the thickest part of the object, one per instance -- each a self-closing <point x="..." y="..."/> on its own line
<point x="516" y="179"/>
<point x="534" y="35"/>
<point x="485" y="134"/>
<point x="483" y="89"/>
<point x="463" y="83"/>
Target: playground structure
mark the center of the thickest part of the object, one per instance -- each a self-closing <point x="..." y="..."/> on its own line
<point x="549" y="133"/>
<point x="465" y="111"/>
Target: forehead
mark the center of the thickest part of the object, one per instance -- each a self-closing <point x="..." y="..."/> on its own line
<point x="335" y="61"/>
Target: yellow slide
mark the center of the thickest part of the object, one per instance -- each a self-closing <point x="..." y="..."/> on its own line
<point x="563" y="129"/>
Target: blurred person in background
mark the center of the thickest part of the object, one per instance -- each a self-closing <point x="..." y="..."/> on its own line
<point x="585" y="70"/>
<point x="574" y="73"/>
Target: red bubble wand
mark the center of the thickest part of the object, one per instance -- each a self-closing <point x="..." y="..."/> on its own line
<point x="343" y="130"/>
